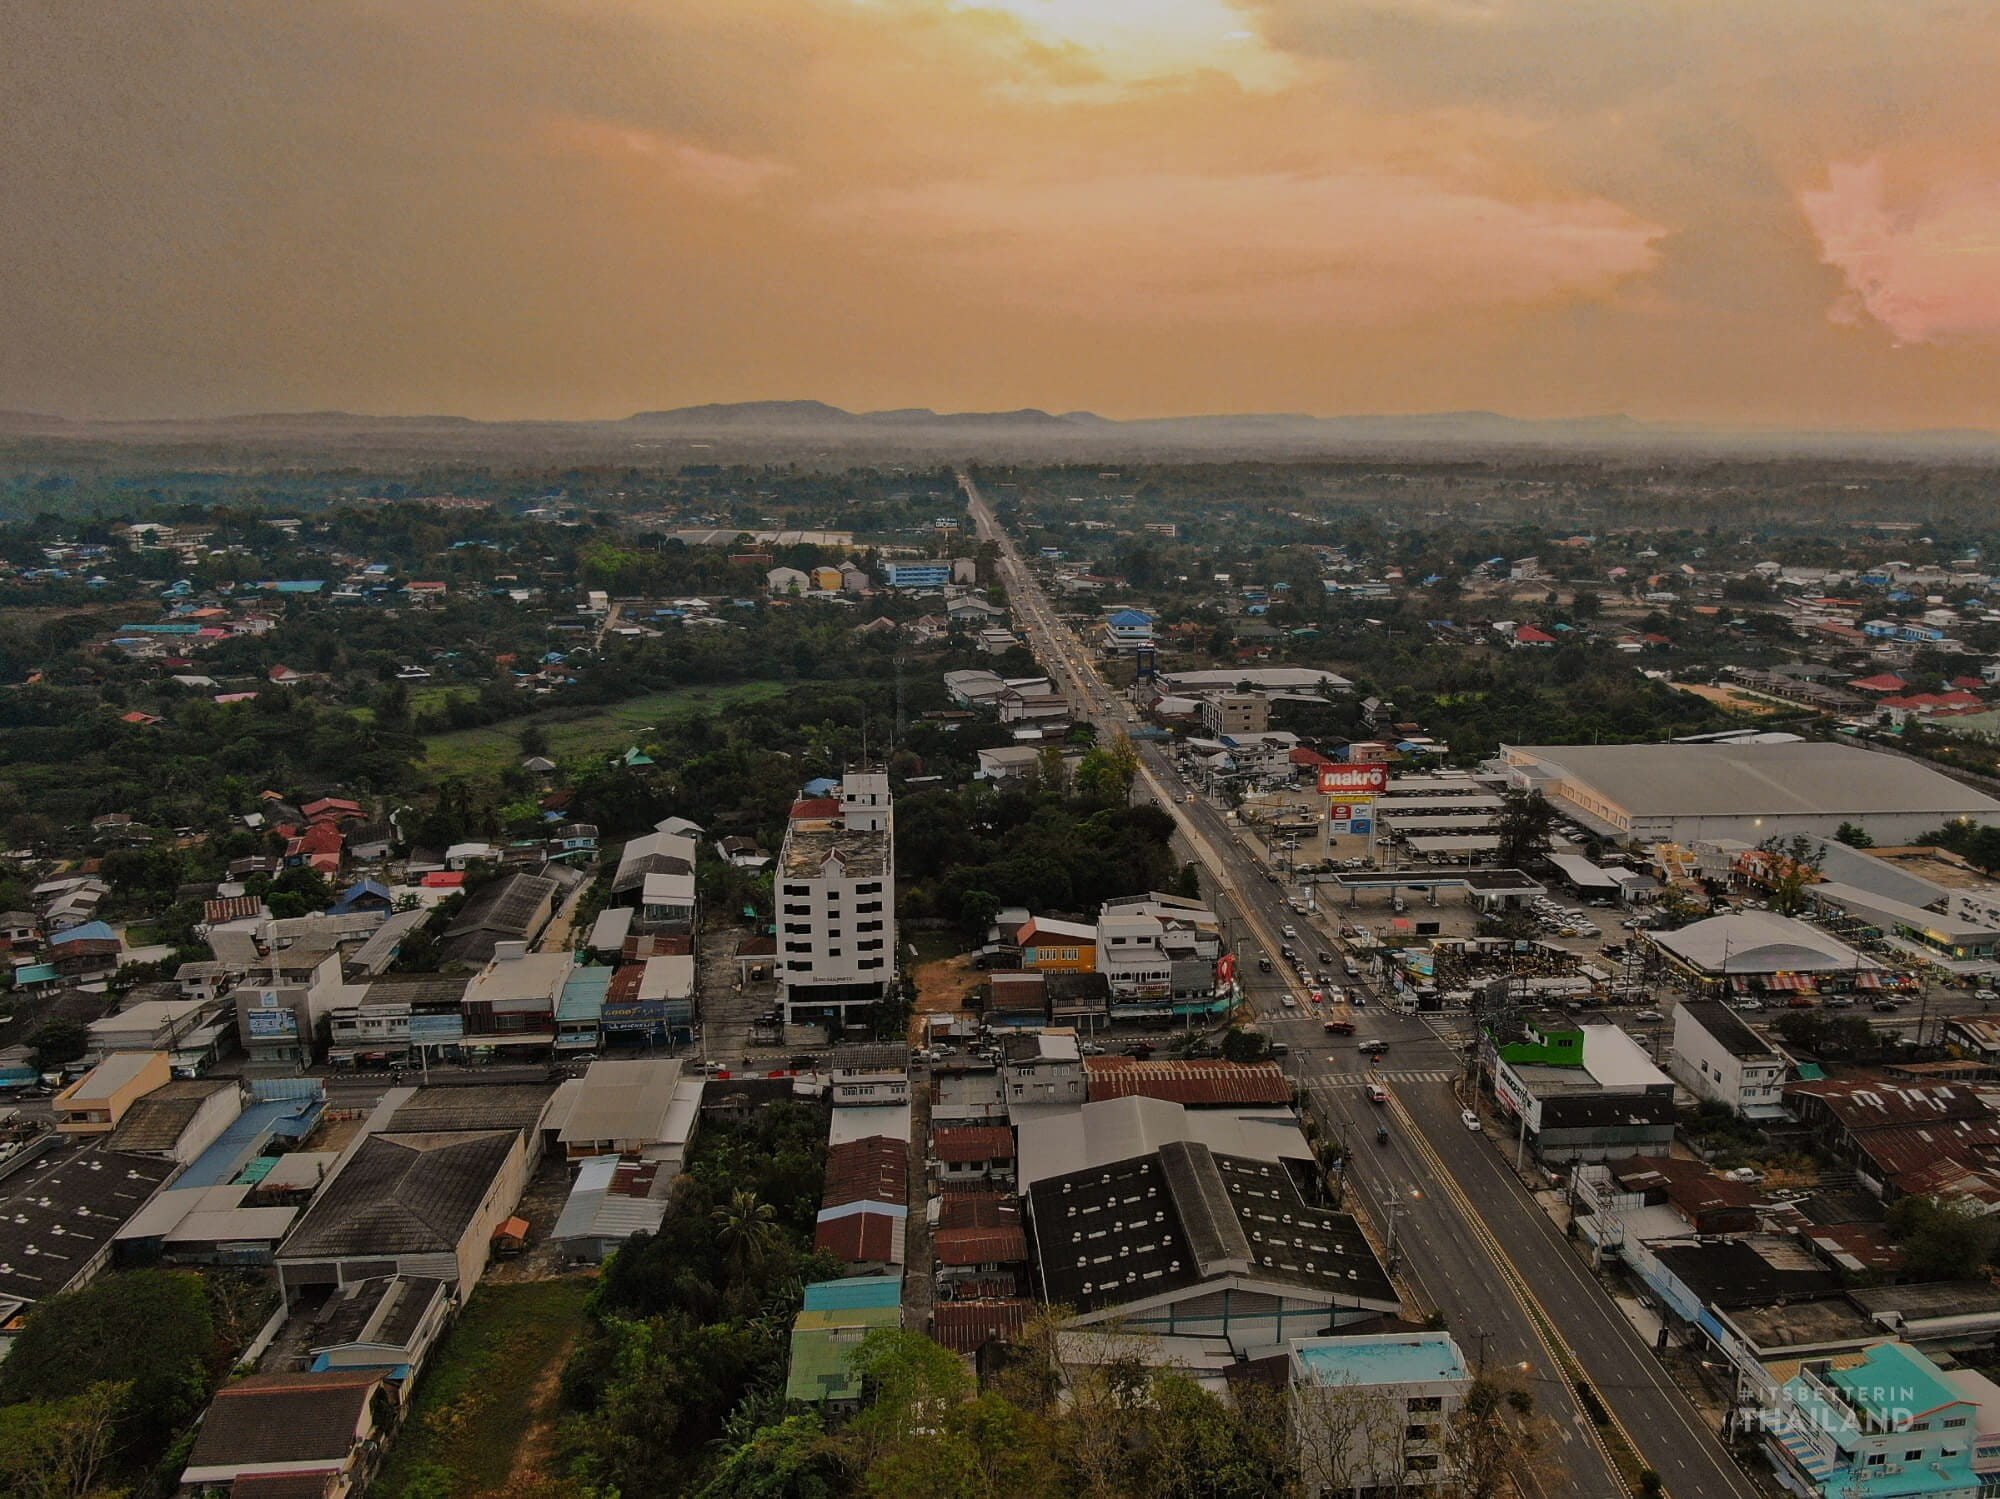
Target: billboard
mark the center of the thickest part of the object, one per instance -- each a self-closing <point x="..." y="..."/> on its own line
<point x="1350" y="819"/>
<point x="271" y="1024"/>
<point x="1353" y="780"/>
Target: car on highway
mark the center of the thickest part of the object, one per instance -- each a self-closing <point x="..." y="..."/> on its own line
<point x="1649" y="1017"/>
<point x="1326" y="957"/>
<point x="1139" y="1049"/>
<point x="1289" y="930"/>
<point x="1884" y="1007"/>
<point x="1340" y="1027"/>
<point x="1469" y="1119"/>
<point x="1288" y="1002"/>
<point x="1377" y="1093"/>
<point x="1372" y="1046"/>
<point x="1263" y="965"/>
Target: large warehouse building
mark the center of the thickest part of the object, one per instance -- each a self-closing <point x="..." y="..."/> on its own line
<point x="1677" y="793"/>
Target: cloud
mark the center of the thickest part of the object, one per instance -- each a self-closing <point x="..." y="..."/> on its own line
<point x="680" y="163"/>
<point x="1356" y="247"/>
<point x="563" y="207"/>
<point x="1929" y="272"/>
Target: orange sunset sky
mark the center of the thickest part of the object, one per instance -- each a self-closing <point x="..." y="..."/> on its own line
<point x="1761" y="211"/>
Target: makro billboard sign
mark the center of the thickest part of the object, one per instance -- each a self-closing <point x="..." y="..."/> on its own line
<point x="1353" y="780"/>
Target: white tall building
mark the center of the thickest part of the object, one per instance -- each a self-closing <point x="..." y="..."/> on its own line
<point x="836" y="901"/>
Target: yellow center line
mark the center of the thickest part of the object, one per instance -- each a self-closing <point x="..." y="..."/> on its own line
<point x="1561" y="1357"/>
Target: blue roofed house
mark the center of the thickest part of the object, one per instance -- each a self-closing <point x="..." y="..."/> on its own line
<point x="1128" y="630"/>
<point x="828" y="1332"/>
<point x="1882" y="1424"/>
<point x="364" y="895"/>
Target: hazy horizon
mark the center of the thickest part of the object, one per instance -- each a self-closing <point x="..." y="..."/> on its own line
<point x="1778" y="216"/>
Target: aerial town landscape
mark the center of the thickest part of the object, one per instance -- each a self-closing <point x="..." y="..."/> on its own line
<point x="1000" y="749"/>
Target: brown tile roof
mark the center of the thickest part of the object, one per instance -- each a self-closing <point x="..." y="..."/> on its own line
<point x="1863" y="1103"/>
<point x="876" y="1169"/>
<point x="284" y="1418"/>
<point x="861" y="1238"/>
<point x="1193" y="1084"/>
<point x="980" y="1246"/>
<point x="231" y="908"/>
<point x="968" y="1326"/>
<point x="978" y="1142"/>
<point x="977" y="1208"/>
<point x="643" y="945"/>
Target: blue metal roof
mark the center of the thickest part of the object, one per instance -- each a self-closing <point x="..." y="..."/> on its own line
<point x="853" y="1293"/>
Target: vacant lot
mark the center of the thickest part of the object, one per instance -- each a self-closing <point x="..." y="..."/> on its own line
<point x="485" y="1404"/>
<point x="583" y="733"/>
<point x="1733" y="699"/>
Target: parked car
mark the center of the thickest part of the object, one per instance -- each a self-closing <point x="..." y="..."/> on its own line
<point x="1469" y="1119"/>
<point x="1140" y="1050"/>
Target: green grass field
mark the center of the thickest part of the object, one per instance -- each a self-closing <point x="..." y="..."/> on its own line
<point x="584" y="733"/>
<point x="476" y="1399"/>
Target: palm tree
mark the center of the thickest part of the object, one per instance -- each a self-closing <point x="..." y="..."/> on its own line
<point x="747" y="1229"/>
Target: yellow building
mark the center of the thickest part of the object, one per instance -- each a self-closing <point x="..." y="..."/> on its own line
<point x="95" y="1102"/>
<point x="826" y="579"/>
<point x="1058" y="946"/>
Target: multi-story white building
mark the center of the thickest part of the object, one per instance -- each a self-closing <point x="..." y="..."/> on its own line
<point x="836" y="900"/>
<point x="1719" y="1058"/>
<point x="1372" y="1413"/>
<point x="1154" y="949"/>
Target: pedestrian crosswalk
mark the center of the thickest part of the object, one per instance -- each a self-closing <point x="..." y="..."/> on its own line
<point x="1362" y="1079"/>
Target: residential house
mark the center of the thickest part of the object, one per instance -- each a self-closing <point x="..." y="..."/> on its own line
<point x="1889" y="1423"/>
<point x="290" y="1436"/>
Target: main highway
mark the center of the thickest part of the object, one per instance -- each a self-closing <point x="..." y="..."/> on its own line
<point x="1470" y="1241"/>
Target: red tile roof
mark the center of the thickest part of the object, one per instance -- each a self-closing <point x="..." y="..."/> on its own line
<point x="1887" y="681"/>
<point x="967" y="1144"/>
<point x="1189" y="1083"/>
<point x="811" y="808"/>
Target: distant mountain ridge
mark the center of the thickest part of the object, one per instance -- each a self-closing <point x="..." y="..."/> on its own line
<point x="745" y="429"/>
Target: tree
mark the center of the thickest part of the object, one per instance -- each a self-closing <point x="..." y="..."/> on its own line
<point x="747" y="1230"/>
<point x="1246" y="1046"/>
<point x="1853" y="835"/>
<point x="148" y="1332"/>
<point x="1942" y="1240"/>
<point x="534" y="740"/>
<point x="1495" y="1445"/>
<point x="1348" y="1437"/>
<point x="57" y="1040"/>
<point x="1524" y="827"/>
<point x="791" y="1459"/>
<point x="1789" y="865"/>
<point x="56" y="1449"/>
